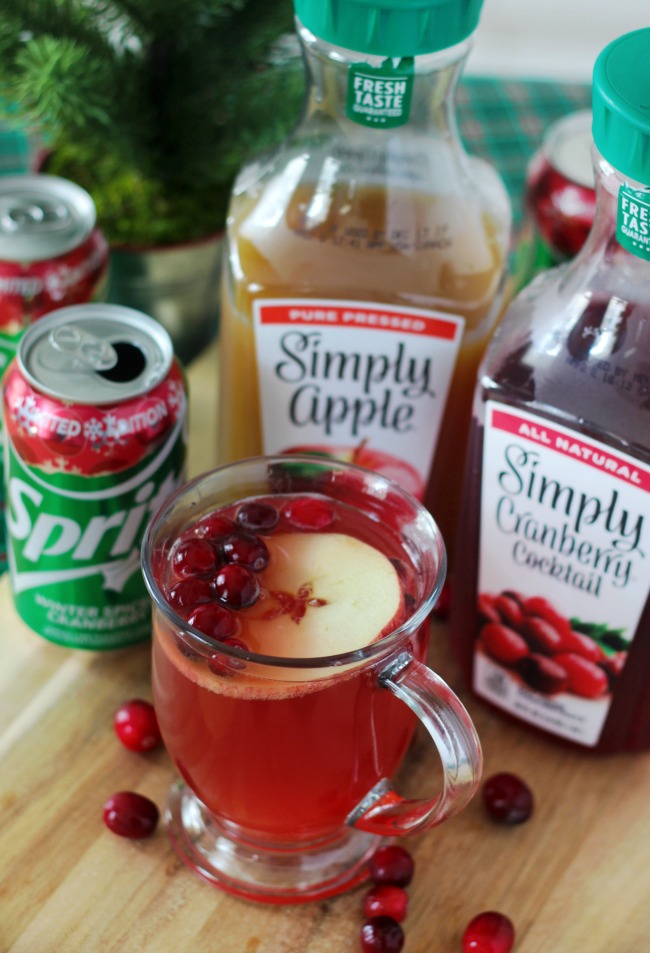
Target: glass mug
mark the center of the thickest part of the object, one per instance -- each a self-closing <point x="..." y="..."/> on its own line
<point x="286" y="761"/>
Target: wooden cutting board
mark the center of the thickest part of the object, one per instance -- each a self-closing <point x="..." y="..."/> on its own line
<point x="573" y="879"/>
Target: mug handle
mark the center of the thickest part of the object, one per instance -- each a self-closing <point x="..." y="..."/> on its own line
<point x="384" y="811"/>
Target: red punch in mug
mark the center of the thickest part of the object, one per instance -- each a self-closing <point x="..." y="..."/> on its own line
<point x="291" y="598"/>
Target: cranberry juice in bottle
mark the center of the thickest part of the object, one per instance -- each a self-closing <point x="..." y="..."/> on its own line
<point x="239" y="576"/>
<point x="550" y="616"/>
<point x="365" y="260"/>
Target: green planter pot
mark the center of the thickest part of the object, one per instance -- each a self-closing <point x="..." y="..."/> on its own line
<point x="178" y="285"/>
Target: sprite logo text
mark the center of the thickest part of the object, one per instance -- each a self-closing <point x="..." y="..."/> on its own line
<point x="50" y="534"/>
<point x="74" y="546"/>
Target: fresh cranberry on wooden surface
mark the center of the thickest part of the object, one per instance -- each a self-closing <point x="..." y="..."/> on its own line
<point x="130" y="815"/>
<point x="507" y="798"/>
<point x="386" y="900"/>
<point x="381" y="935"/>
<point x="489" y="932"/>
<point x="136" y="725"/>
<point x="391" y="864"/>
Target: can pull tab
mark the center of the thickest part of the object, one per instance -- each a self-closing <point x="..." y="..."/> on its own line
<point x="84" y="348"/>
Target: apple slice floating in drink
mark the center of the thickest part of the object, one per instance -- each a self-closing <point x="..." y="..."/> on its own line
<point x="327" y="594"/>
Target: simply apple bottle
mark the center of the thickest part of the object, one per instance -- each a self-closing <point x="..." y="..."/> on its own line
<point x="551" y="617"/>
<point x="366" y="258"/>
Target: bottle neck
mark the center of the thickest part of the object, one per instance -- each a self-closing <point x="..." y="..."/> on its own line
<point x="362" y="90"/>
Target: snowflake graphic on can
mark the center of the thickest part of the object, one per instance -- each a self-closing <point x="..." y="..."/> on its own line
<point x="26" y="413"/>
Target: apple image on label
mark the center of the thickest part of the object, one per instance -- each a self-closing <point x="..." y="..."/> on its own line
<point x="324" y="594"/>
<point x="372" y="459"/>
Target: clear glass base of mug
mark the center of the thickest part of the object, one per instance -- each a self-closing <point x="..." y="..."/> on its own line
<point x="266" y="874"/>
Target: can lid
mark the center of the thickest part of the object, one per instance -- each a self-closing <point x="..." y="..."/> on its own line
<point x="621" y="104"/>
<point x="42" y="216"/>
<point x="95" y="354"/>
<point x="390" y="27"/>
<point x="567" y="146"/>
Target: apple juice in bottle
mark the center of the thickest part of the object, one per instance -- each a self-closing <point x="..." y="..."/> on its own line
<point x="365" y="259"/>
<point x="551" y="617"/>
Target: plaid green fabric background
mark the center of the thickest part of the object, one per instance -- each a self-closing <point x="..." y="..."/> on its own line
<point x="504" y="121"/>
<point x="501" y="120"/>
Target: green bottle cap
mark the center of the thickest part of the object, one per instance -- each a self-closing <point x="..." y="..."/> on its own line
<point x="621" y="105"/>
<point x="390" y="27"/>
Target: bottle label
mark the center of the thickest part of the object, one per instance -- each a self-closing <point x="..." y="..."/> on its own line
<point x="380" y="96"/>
<point x="364" y="382"/>
<point x="564" y="571"/>
<point x="633" y="221"/>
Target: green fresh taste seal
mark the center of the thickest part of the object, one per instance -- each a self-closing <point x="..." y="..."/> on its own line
<point x="633" y="221"/>
<point x="380" y="96"/>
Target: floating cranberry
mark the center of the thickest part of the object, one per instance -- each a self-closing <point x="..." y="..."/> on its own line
<point x="246" y="549"/>
<point x="543" y="674"/>
<point x="236" y="586"/>
<point x="386" y="900"/>
<point x="221" y="664"/>
<point x="507" y="798"/>
<point x="136" y="725"/>
<point x="585" y="678"/>
<point x="257" y="516"/>
<point x="130" y="815"/>
<point x="542" y="636"/>
<point x="311" y="513"/>
<point x="489" y="932"/>
<point x="189" y="593"/>
<point x="392" y="865"/>
<point x="381" y="935"/>
<point x="194" y="557"/>
<point x="503" y="644"/>
<point x="214" y="526"/>
<point x="213" y="620"/>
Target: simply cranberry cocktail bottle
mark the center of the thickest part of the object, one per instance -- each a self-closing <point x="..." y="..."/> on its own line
<point x="551" y="616"/>
<point x="291" y="599"/>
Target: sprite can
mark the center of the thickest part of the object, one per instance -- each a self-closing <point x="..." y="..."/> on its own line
<point x="95" y="437"/>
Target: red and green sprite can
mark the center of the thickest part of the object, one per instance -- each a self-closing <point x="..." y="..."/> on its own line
<point x="95" y="438"/>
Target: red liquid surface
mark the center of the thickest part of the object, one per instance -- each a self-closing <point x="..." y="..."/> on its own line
<point x="283" y="755"/>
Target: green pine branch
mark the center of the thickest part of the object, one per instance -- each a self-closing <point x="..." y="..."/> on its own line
<point x="150" y="102"/>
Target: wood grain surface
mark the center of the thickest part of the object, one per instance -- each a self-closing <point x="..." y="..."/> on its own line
<point x="573" y="879"/>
